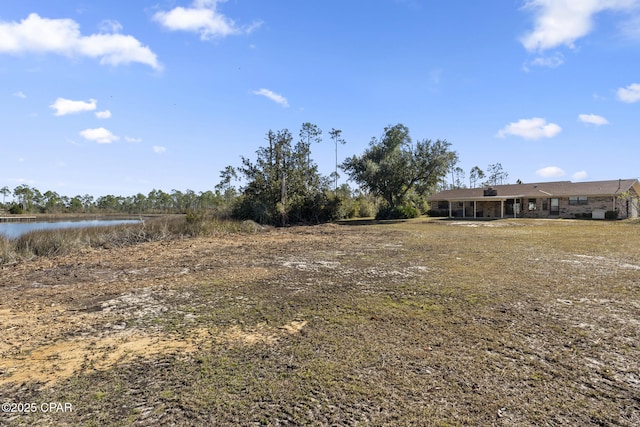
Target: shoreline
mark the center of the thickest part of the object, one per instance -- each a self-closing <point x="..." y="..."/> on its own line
<point x="77" y="216"/>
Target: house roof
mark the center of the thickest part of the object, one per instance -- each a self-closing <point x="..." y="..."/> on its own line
<point x="542" y="190"/>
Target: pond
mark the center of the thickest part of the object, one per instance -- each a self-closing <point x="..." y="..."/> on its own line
<point x="14" y="230"/>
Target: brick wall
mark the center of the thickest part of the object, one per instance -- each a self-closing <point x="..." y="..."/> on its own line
<point x="567" y="210"/>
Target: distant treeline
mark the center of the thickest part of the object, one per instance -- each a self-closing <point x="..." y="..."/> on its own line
<point x="31" y="200"/>
<point x="282" y="184"/>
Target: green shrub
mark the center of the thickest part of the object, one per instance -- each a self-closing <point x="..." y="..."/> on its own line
<point x="611" y="215"/>
<point x="16" y="209"/>
<point x="437" y="213"/>
<point x="410" y="211"/>
<point x="398" y="212"/>
<point x="338" y="207"/>
<point x="366" y="208"/>
<point x="247" y="208"/>
<point x="195" y="223"/>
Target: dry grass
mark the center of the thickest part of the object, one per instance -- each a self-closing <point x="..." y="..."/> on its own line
<point x="424" y="322"/>
<point x="56" y="242"/>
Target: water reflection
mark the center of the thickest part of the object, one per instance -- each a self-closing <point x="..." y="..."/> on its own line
<point x="14" y="230"/>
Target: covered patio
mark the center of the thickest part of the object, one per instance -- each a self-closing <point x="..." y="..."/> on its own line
<point x="561" y="199"/>
<point x="485" y="207"/>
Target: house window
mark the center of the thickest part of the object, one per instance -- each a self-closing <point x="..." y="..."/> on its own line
<point x="532" y="204"/>
<point x="443" y="205"/>
<point x="545" y="204"/>
<point x="578" y="200"/>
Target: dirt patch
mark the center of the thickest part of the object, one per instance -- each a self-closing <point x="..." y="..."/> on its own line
<point x="50" y="364"/>
<point x="602" y="262"/>
<point x="69" y="315"/>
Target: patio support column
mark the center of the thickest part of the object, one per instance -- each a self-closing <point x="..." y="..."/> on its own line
<point x="501" y="208"/>
<point x="474" y="209"/>
<point x="464" y="215"/>
<point x="450" y="209"/>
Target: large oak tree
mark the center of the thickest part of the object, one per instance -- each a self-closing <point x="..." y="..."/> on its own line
<point x="393" y="166"/>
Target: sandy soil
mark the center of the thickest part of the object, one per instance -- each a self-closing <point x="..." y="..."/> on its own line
<point x="58" y="315"/>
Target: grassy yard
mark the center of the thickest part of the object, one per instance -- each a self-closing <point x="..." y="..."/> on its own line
<point x="422" y="322"/>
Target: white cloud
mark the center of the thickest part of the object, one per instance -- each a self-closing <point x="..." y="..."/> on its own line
<point x="67" y="106"/>
<point x="158" y="149"/>
<point x="552" y="61"/>
<point x="534" y="128"/>
<point x="579" y="176"/>
<point x="562" y="22"/>
<point x="277" y="98"/>
<point x="22" y="180"/>
<point x="62" y="36"/>
<point x="629" y="94"/>
<point x="132" y="139"/>
<point x="109" y="26"/>
<point x="99" y="135"/>
<point x="106" y="114"/>
<point x="20" y="94"/>
<point x="203" y="18"/>
<point x="593" y="119"/>
<point x="550" y="172"/>
<point x="631" y="27"/>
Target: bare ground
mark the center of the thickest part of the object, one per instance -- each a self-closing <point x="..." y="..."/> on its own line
<point x="509" y="322"/>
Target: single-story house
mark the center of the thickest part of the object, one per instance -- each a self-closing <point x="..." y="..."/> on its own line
<point x="561" y="199"/>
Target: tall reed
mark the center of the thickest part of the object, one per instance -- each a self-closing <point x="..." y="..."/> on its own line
<point x="69" y="240"/>
<point x="7" y="251"/>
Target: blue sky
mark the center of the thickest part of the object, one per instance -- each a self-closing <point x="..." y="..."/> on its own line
<point x="114" y="97"/>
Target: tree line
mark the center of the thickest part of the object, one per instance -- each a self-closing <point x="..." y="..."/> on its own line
<point x="494" y="175"/>
<point x="28" y="199"/>
<point x="281" y="184"/>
